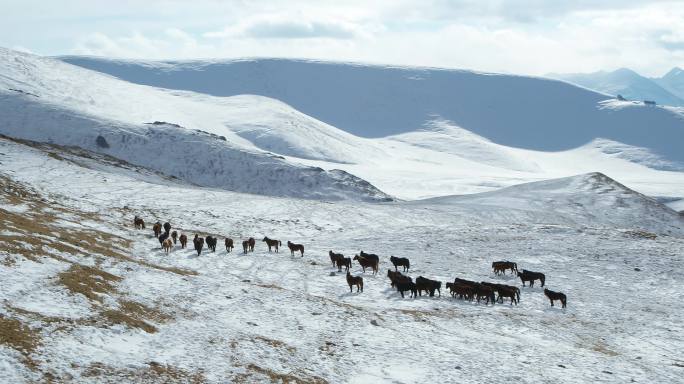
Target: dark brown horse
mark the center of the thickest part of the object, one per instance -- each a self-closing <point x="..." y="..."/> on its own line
<point x="157" y="228"/>
<point x="485" y="292"/>
<point x="167" y="227"/>
<point x="345" y="262"/>
<point x="400" y="261"/>
<point x="354" y="280"/>
<point x="556" y="296"/>
<point x="229" y="244"/>
<point x="395" y="276"/>
<point x="272" y="243"/>
<point x="174" y="236"/>
<point x="428" y="285"/>
<point x="334" y="256"/>
<point x="463" y="291"/>
<point x="211" y="243"/>
<point x="530" y="276"/>
<point x="367" y="263"/>
<point x="245" y="246"/>
<point x="183" y="240"/>
<point x="251" y="242"/>
<point x="139" y="223"/>
<point x="199" y="244"/>
<point x="295" y="247"/>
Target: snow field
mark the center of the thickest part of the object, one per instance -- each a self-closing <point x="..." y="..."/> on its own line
<point x="288" y="315"/>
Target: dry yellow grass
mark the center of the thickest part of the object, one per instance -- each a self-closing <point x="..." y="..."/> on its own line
<point x="254" y="372"/>
<point x="152" y="373"/>
<point x="89" y="282"/>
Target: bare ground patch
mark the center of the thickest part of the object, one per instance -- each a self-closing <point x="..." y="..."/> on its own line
<point x="151" y="373"/>
<point x="18" y="336"/>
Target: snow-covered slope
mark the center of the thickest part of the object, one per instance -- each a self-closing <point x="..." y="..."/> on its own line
<point x="196" y="138"/>
<point x="624" y="82"/>
<point x="87" y="298"/>
<point x="377" y="101"/>
<point x="591" y="198"/>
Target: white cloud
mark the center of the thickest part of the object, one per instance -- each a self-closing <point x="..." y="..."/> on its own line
<point x="526" y="36"/>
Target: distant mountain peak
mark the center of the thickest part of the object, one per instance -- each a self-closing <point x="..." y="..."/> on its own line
<point x="674" y="72"/>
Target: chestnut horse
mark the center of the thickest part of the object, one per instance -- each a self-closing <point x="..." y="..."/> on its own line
<point x="367" y="263"/>
<point x="139" y="223"/>
<point x="157" y="227"/>
<point x="500" y="267"/>
<point x="167" y="244"/>
<point x="183" y="240"/>
<point x="295" y="247"/>
<point x="174" y="236"/>
<point x="272" y="243"/>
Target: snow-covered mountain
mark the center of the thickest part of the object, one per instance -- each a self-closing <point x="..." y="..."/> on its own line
<point x="673" y="81"/>
<point x="196" y="138"/>
<point x="377" y="101"/>
<point x="257" y="144"/>
<point x="590" y="198"/>
<point x="627" y="83"/>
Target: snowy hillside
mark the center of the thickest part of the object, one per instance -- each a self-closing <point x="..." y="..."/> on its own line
<point x="193" y="137"/>
<point x="87" y="298"/>
<point x="377" y="101"/>
<point x="627" y="83"/>
<point x="673" y="81"/>
<point x="591" y="198"/>
<point x="256" y="144"/>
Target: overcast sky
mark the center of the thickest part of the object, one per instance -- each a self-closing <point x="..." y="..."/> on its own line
<point x="515" y="36"/>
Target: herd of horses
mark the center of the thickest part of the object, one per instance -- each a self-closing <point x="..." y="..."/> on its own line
<point x="167" y="239"/>
<point x="463" y="289"/>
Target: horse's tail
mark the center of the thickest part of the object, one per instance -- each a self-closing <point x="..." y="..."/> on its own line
<point x="543" y="278"/>
<point x="280" y="243"/>
<point x="408" y="264"/>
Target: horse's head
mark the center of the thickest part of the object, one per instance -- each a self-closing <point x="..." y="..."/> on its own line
<point x="265" y="238"/>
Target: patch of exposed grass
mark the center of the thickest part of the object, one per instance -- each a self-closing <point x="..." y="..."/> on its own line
<point x="88" y="281"/>
<point x="16" y="335"/>
<point x="152" y="373"/>
<point x="276" y="343"/>
<point x="272" y="286"/>
<point x="254" y="372"/>
<point x="601" y="347"/>
<point x="143" y="312"/>
<point x="112" y="316"/>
